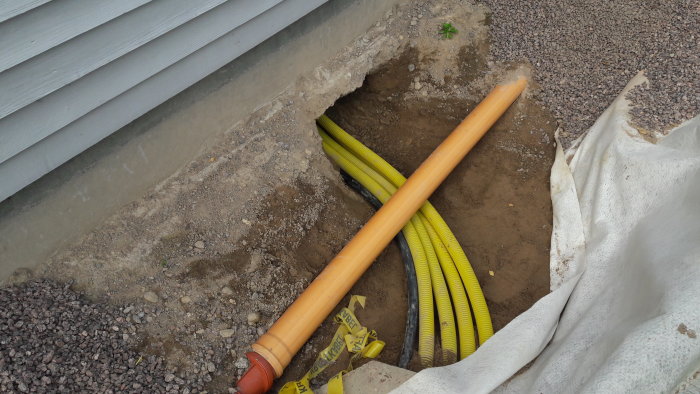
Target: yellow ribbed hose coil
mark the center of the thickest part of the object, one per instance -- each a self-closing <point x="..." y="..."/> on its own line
<point x="467" y="341"/>
<point x="357" y="162"/>
<point x="448" y="332"/>
<point x="426" y="316"/>
<point x="476" y="297"/>
<point x="465" y="326"/>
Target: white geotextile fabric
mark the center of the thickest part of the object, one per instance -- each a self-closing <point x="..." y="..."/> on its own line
<point x="625" y="274"/>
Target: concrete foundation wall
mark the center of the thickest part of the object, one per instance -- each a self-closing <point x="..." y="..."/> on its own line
<point x="68" y="202"/>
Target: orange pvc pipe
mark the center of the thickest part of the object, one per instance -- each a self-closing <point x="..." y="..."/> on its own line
<point x="284" y="339"/>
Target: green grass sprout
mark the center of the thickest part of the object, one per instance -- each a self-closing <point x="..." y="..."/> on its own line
<point x="447" y="31"/>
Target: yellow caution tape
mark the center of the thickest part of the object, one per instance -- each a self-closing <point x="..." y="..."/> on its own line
<point x="372" y="350"/>
<point x="351" y="335"/>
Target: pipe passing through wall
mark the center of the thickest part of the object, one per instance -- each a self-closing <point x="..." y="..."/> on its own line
<point x="274" y="350"/>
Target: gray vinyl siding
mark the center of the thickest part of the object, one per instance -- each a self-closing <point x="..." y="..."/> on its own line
<point x="74" y="71"/>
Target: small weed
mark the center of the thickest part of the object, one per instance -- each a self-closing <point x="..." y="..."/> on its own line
<point x="164" y="263"/>
<point x="447" y="31"/>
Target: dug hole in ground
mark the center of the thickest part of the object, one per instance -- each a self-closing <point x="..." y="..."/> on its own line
<point x="180" y="282"/>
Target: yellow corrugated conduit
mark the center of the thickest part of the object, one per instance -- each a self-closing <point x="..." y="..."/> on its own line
<point x="467" y="342"/>
<point x="273" y="350"/>
<point x="448" y="333"/>
<point x="458" y="258"/>
<point x="438" y="258"/>
<point x="426" y="319"/>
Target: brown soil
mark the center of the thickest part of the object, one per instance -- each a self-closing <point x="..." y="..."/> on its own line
<point x="496" y="201"/>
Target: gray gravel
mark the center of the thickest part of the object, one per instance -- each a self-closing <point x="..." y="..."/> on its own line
<point x="585" y="51"/>
<point x="54" y="340"/>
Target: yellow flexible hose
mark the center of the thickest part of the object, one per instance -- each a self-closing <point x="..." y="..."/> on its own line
<point x="466" y="272"/>
<point x="357" y="162"/>
<point x="426" y="314"/>
<point x="448" y="333"/>
<point x="465" y="326"/>
<point x="426" y="317"/>
<point x="467" y="341"/>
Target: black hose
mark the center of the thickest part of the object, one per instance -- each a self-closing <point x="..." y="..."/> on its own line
<point x="412" y="316"/>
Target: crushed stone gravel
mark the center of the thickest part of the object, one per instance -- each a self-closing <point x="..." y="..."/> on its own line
<point x="584" y="52"/>
<point x="54" y="340"/>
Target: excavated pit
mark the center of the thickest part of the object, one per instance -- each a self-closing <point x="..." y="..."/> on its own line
<point x="496" y="201"/>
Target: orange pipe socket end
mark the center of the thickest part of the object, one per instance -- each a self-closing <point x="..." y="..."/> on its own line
<point x="274" y="350"/>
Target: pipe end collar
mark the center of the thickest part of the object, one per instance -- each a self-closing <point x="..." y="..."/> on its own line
<point x="259" y="376"/>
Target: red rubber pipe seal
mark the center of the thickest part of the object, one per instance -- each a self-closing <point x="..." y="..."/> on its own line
<point x="259" y="376"/>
